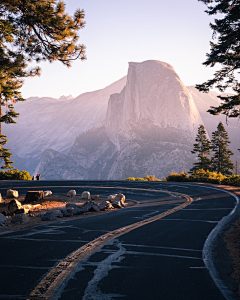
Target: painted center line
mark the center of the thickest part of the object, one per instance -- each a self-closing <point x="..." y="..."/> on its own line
<point x="63" y="270"/>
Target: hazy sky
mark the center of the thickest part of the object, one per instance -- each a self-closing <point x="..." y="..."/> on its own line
<point x="120" y="31"/>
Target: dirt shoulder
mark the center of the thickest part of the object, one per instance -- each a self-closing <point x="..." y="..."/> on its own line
<point x="50" y="203"/>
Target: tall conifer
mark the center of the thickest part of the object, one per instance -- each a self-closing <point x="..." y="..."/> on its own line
<point x="225" y="54"/>
<point x="32" y="31"/>
<point x="202" y="148"/>
<point x="221" y="161"/>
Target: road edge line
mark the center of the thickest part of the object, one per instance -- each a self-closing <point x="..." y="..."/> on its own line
<point x="207" y="252"/>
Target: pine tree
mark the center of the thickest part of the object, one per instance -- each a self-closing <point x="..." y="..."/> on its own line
<point x="221" y="154"/>
<point x="32" y="31"/>
<point x="202" y="147"/>
<point x="237" y="166"/>
<point x="226" y="52"/>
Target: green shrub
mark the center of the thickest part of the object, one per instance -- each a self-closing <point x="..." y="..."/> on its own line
<point x="146" y="178"/>
<point x="140" y="179"/>
<point x="232" y="180"/>
<point x="206" y="176"/>
<point x="24" y="175"/>
<point x="14" y="175"/>
<point x="177" y="177"/>
<point x="130" y="179"/>
<point x="151" y="178"/>
<point x="198" y="176"/>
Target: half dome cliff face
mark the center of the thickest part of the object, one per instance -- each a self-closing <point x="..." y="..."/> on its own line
<point x="150" y="128"/>
<point x="154" y="93"/>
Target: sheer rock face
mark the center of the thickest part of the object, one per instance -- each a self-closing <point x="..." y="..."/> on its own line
<point x="154" y="93"/>
<point x="150" y="128"/>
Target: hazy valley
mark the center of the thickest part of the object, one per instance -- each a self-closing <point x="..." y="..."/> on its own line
<point x="145" y="123"/>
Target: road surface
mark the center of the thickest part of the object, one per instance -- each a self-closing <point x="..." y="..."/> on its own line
<point x="168" y="258"/>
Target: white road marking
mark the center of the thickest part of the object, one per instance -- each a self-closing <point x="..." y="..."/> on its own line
<point x="14" y="297"/>
<point x="179" y="186"/>
<point x="55" y="230"/>
<point x="155" y="254"/>
<point x="189" y="220"/>
<point x="160" y="247"/>
<point x="46" y="240"/>
<point x="214" y="209"/>
<point x="48" y="231"/>
<point x="198" y="199"/>
<point x="152" y="213"/>
<point x="207" y="249"/>
<point x="23" y="267"/>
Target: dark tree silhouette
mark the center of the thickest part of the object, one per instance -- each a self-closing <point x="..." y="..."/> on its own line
<point x="37" y="31"/>
<point x="225" y="51"/>
<point x="221" y="161"/>
<point x="202" y="148"/>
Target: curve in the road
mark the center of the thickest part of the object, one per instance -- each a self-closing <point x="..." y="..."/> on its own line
<point x="62" y="271"/>
<point x="208" y="253"/>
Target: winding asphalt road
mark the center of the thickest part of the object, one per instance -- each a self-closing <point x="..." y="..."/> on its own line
<point x="174" y="257"/>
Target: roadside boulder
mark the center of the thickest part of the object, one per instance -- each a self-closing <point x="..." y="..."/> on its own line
<point x="33" y="196"/>
<point x="15" y="207"/>
<point x="71" y="205"/>
<point x="111" y="197"/>
<point x="12" y="194"/>
<point x="20" y="218"/>
<point x="117" y="204"/>
<point x="94" y="197"/>
<point x="47" y="193"/>
<point x="117" y="200"/>
<point x="71" y="193"/>
<point x="72" y="209"/>
<point x="68" y="212"/>
<point x="106" y="205"/>
<point x="91" y="206"/>
<point x="2" y="220"/>
<point x="52" y="215"/>
<point x="86" y="195"/>
<point x="120" y="197"/>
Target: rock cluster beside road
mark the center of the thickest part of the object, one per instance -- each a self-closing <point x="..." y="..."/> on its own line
<point x="16" y="212"/>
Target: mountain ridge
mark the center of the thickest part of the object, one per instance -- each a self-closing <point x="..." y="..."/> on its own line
<point x="47" y="123"/>
<point x="137" y="135"/>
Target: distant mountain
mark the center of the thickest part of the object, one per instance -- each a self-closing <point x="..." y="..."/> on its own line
<point x="55" y="123"/>
<point x="149" y="128"/>
<point x="69" y="97"/>
<point x="145" y="122"/>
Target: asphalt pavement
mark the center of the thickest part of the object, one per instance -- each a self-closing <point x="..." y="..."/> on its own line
<point x="161" y="260"/>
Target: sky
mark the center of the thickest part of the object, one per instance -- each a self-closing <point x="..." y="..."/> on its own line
<point x="122" y="31"/>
